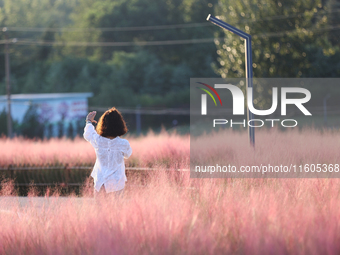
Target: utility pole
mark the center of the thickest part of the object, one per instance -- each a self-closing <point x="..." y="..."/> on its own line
<point x="8" y="86"/>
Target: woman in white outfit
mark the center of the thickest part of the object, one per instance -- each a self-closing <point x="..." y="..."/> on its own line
<point x="109" y="170"/>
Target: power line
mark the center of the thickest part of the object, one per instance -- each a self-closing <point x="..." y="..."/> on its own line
<point x="157" y="43"/>
<point x="161" y="27"/>
<point x="112" y="44"/>
<point x="106" y="29"/>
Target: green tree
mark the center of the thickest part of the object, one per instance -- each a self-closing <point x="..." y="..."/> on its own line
<point x="33" y="13"/>
<point x="285" y="36"/>
<point x="31" y="127"/>
<point x="143" y="75"/>
<point x="25" y="58"/>
<point x="288" y="40"/>
<point x="134" y="75"/>
<point x="136" y="13"/>
<point x="3" y="124"/>
<point x="333" y="19"/>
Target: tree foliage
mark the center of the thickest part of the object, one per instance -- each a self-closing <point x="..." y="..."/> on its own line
<point x="287" y="39"/>
<point x="290" y="39"/>
<point x="31" y="126"/>
<point x="146" y="75"/>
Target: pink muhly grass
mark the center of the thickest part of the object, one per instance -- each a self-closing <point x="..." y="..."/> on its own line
<point x="202" y="216"/>
<point x="174" y="214"/>
<point x="26" y="152"/>
<point x="164" y="149"/>
<point x="173" y="150"/>
<point x="272" y="147"/>
<point x="170" y="150"/>
<point x="7" y="187"/>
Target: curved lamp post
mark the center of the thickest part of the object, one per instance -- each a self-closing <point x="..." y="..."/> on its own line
<point x="249" y="64"/>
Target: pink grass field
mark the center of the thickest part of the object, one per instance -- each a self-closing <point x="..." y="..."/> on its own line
<point x="173" y="215"/>
<point x="151" y="150"/>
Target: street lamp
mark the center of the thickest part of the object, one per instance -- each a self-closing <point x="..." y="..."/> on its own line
<point x="249" y="64"/>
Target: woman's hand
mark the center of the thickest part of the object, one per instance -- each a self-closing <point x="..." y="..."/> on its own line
<point x="90" y="116"/>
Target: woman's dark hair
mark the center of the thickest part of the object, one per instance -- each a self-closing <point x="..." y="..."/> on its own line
<point x="111" y="124"/>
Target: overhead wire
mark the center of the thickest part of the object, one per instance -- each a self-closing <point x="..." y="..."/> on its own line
<point x="19" y="41"/>
<point x="158" y="27"/>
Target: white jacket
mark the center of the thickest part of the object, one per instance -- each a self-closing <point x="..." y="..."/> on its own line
<point x="109" y="169"/>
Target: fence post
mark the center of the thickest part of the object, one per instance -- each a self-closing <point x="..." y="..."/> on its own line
<point x="11" y="174"/>
<point x="67" y="177"/>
